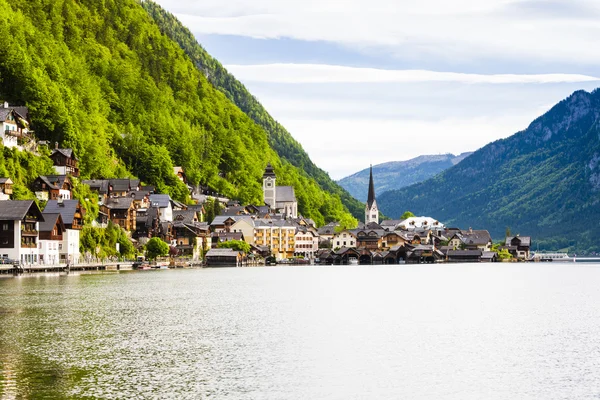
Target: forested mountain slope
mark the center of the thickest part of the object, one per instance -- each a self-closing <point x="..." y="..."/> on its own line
<point x="279" y="138"/>
<point x="100" y="77"/>
<point x="543" y="182"/>
<point x="398" y="174"/>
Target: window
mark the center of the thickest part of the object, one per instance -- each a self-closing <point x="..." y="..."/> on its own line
<point x="5" y="227"/>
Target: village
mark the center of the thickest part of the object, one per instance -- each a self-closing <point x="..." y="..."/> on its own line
<point x="274" y="231"/>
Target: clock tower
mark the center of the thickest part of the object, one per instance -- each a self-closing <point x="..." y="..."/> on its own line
<point x="269" y="187"/>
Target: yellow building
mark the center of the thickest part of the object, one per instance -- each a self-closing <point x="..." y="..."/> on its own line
<point x="277" y="235"/>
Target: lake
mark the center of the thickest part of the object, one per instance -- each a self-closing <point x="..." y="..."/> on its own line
<point x="482" y="331"/>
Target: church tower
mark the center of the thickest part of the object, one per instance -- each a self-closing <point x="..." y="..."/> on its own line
<point x="371" y="210"/>
<point x="269" y="187"/>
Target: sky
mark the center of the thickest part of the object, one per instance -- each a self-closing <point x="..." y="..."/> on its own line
<point x="360" y="82"/>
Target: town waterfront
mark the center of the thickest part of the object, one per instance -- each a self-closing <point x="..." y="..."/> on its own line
<point x="493" y="331"/>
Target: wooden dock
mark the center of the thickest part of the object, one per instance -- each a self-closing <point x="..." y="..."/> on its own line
<point x="17" y="269"/>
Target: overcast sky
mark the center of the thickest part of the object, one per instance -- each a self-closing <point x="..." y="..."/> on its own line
<point x="369" y="81"/>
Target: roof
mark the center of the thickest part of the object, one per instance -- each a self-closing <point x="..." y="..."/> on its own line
<point x="269" y="171"/>
<point x="464" y="253"/>
<point x="50" y="220"/>
<point x="160" y="200"/>
<point x="122" y="185"/>
<point x="119" y="203"/>
<point x="371" y="195"/>
<point x="66" y="209"/>
<point x="525" y="240"/>
<point x="5" y="181"/>
<point x="99" y="185"/>
<point x="222" y="253"/>
<point x="65" y="152"/>
<point x="285" y="194"/>
<point x="53" y="181"/>
<point x="14" y="210"/>
<point x="185" y="216"/>
<point x="476" y="237"/>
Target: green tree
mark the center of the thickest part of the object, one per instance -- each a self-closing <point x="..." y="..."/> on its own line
<point x="238" y="245"/>
<point x="407" y="214"/>
<point x="156" y="247"/>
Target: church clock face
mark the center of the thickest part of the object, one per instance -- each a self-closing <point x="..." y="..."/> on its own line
<point x="269" y="184"/>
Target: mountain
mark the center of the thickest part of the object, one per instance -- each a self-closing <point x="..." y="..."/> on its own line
<point x="542" y="182"/>
<point x="279" y="138"/>
<point x="398" y="174"/>
<point x="100" y="77"/>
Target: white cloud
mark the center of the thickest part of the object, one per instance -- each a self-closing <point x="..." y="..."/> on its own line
<point x="318" y="73"/>
<point x="457" y="30"/>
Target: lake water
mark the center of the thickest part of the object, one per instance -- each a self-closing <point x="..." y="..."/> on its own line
<point x="528" y="331"/>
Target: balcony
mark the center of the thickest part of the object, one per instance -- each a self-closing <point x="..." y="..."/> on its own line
<point x="30" y="233"/>
<point x="28" y="245"/>
<point x="8" y="132"/>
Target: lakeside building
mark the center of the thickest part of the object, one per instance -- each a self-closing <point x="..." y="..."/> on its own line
<point x="279" y="198"/>
<point x="72" y="214"/>
<point x="19" y="230"/>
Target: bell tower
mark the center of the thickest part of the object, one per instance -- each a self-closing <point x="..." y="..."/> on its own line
<point x="371" y="210"/>
<point x="269" y="187"/>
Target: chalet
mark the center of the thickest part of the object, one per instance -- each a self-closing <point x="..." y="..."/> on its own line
<point x="422" y="254"/>
<point x="370" y="239"/>
<point x="14" y="125"/>
<point x="121" y="211"/>
<point x="344" y="238"/>
<point x="471" y="240"/>
<point x="327" y="232"/>
<point x="420" y="223"/>
<point x="6" y="188"/>
<point x="50" y="239"/>
<point x="52" y="187"/>
<point x="393" y="239"/>
<point x="19" y="224"/>
<point x="164" y="205"/>
<point x="99" y="186"/>
<point x="188" y="234"/>
<point x="122" y="187"/>
<point x="72" y="214"/>
<point x="518" y="246"/>
<point x="222" y="223"/>
<point x="65" y="161"/>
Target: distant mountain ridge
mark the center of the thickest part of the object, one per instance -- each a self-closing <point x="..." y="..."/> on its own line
<point x="543" y="182"/>
<point x="398" y="174"/>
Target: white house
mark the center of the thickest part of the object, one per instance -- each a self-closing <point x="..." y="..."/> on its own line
<point x="164" y="205"/>
<point x="344" y="238"/>
<point x="420" y="223"/>
<point x="306" y="242"/>
<point x="50" y="239"/>
<point x="19" y="224"/>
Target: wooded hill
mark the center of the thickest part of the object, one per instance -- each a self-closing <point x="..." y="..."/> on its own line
<point x="543" y="182"/>
<point x="398" y="174"/>
<point x="279" y="138"/>
<point x="100" y="77"/>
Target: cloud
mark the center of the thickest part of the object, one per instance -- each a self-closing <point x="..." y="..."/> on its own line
<point x="459" y="30"/>
<point x="318" y="73"/>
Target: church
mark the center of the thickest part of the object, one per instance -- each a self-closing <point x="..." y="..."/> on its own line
<point x="371" y="210"/>
<point x="281" y="199"/>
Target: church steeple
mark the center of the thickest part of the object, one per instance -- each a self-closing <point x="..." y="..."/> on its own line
<point x="269" y="188"/>
<point x="371" y="210"/>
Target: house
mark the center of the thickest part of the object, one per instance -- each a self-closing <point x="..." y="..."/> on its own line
<point x="6" y="188"/>
<point x="471" y="240"/>
<point x="518" y="246"/>
<point x="188" y="234"/>
<point x="344" y="238"/>
<point x="121" y="211"/>
<point x="327" y="232"/>
<point x="72" y="214"/>
<point x="306" y="242"/>
<point x="222" y="223"/>
<point x="100" y="186"/>
<point x="393" y="239"/>
<point x="370" y="239"/>
<point x="19" y="234"/>
<point x="50" y="238"/>
<point x="223" y="258"/>
<point x="52" y="187"/>
<point x="222" y="237"/>
<point x="15" y="125"/>
<point x="245" y="225"/>
<point x="65" y="161"/>
<point x="164" y="205"/>
<point x="180" y="173"/>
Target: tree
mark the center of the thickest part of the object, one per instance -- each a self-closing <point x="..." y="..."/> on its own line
<point x="406" y="215"/>
<point x="238" y="245"/>
<point x="156" y="248"/>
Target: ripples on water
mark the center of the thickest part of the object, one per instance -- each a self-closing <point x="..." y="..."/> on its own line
<point x="418" y="332"/>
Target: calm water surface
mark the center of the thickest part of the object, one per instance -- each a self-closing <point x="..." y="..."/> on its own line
<point x="405" y="332"/>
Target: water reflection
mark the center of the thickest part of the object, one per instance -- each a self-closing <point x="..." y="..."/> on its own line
<point x="460" y="331"/>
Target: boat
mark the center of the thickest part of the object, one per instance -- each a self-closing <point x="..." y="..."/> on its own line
<point x="546" y="257"/>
